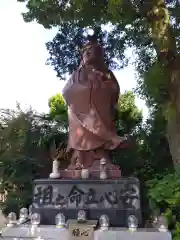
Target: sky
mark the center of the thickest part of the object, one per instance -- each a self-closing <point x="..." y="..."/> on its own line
<point x="24" y="76"/>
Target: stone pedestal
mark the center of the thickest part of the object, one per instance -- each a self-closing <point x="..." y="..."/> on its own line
<point x="94" y="174"/>
<point x="116" y="198"/>
<point x="113" y="172"/>
<point x="53" y="233"/>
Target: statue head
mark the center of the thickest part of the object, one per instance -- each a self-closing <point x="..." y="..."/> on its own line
<point x="92" y="52"/>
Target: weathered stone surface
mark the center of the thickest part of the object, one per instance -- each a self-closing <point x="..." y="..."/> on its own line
<point x="116" y="198"/>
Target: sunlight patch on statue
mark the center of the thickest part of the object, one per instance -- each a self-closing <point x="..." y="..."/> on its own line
<point x="79" y="132"/>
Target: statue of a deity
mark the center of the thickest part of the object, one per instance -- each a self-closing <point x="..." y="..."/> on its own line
<point x="91" y="94"/>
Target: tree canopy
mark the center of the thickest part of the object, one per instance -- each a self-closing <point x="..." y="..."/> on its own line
<point x="26" y="139"/>
<point x="151" y="20"/>
<point x="150" y="28"/>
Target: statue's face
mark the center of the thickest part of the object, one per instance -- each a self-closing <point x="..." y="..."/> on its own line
<point x="92" y="54"/>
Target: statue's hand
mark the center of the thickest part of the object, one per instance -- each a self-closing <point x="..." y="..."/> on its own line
<point x="78" y="165"/>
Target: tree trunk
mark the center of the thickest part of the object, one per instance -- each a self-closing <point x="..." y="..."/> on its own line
<point x="173" y="136"/>
<point x="164" y="41"/>
<point x="173" y="120"/>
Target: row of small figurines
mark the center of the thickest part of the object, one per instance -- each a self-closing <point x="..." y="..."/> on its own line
<point x="160" y="223"/>
<point x="84" y="172"/>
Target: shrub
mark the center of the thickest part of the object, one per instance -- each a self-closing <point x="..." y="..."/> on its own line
<point x="164" y="194"/>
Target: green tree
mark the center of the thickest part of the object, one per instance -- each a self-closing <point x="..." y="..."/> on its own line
<point x="128" y="121"/>
<point x="129" y="117"/>
<point x="154" y="160"/>
<point x="69" y="40"/>
<point x="18" y="161"/>
<point x="58" y="110"/>
<point x="150" y="27"/>
<point x="164" y="196"/>
<point x="155" y="154"/>
<point x="26" y="138"/>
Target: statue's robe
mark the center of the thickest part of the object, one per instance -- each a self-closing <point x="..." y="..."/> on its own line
<point x="91" y="96"/>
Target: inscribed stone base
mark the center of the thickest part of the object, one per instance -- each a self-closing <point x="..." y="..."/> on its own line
<point x="116" y="198"/>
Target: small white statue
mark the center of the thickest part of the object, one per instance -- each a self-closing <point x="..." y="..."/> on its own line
<point x="12" y="219"/>
<point x="103" y="169"/>
<point x="84" y="173"/>
<point x="81" y="216"/>
<point x="60" y="221"/>
<point x="132" y="222"/>
<point x="23" y="215"/>
<point x="56" y="154"/>
<point x="55" y="169"/>
<point x="162" y="224"/>
<point x="104" y="222"/>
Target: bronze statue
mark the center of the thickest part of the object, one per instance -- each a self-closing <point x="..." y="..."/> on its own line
<point x="91" y="94"/>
